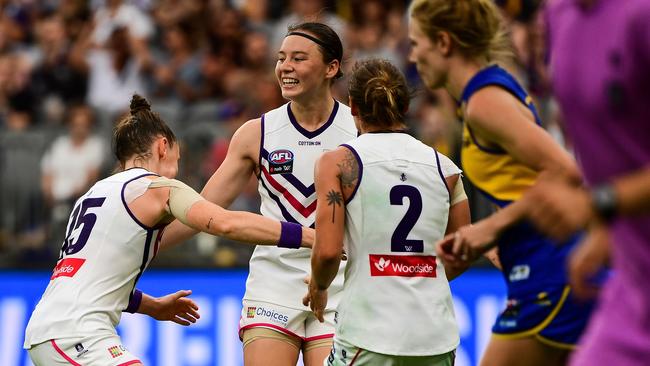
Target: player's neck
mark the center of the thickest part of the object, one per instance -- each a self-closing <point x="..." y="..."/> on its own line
<point x="140" y="163"/>
<point x="313" y="113"/>
<point x="460" y="73"/>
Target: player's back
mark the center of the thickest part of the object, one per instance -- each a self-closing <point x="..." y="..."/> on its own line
<point x="393" y="279"/>
<point x="104" y="253"/>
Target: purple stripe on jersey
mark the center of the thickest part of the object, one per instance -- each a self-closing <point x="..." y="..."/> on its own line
<point x="444" y="181"/>
<point x="145" y="259"/>
<point x="292" y="179"/>
<point x="287" y="216"/>
<point x="356" y="155"/>
<point x="321" y="129"/>
<point x="262" y="151"/>
<point x="128" y="210"/>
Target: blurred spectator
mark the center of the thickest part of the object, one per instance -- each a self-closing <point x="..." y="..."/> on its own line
<point x="55" y="80"/>
<point x="225" y="42"/>
<point x="117" y="14"/>
<point x="16" y="89"/>
<point x="114" y="72"/>
<point x="170" y="12"/>
<point x="70" y="166"/>
<point x="76" y="16"/>
<point x="307" y="10"/>
<point x="368" y="34"/>
<point x="177" y="72"/>
<point x="21" y="217"/>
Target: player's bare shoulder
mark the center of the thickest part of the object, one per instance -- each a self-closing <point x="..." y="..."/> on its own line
<point x="344" y="165"/>
<point x="246" y="140"/>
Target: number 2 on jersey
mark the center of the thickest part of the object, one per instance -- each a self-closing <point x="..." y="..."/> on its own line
<point x="80" y="217"/>
<point x="399" y="241"/>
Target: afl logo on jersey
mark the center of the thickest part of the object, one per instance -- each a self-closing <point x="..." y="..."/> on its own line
<point x="280" y="162"/>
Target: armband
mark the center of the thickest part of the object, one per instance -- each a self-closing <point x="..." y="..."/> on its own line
<point x="290" y="235"/>
<point x="181" y="197"/>
<point x="459" y="194"/>
<point x="134" y="302"/>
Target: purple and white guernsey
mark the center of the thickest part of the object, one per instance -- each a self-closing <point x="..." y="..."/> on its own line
<point x="286" y="186"/>
<point x="393" y="279"/>
<point x="601" y="77"/>
<point x="104" y="253"/>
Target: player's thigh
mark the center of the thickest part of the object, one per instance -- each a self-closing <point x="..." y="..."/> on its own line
<point x="526" y="351"/>
<point x="268" y="347"/>
<point x="317" y="353"/>
<point x="318" y="338"/>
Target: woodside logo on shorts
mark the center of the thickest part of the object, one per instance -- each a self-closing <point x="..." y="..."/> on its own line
<point x="402" y="265"/>
<point x="67" y="267"/>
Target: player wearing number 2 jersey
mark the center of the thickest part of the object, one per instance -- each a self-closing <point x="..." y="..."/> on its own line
<point x="385" y="197"/>
<point x="113" y="234"/>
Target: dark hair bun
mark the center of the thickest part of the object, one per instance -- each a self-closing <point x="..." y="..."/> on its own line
<point x="138" y="104"/>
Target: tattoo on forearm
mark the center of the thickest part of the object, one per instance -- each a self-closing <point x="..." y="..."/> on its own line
<point x="349" y="170"/>
<point x="334" y="198"/>
<point x="208" y="224"/>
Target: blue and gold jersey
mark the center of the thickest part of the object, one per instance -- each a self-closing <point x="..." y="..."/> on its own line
<point x="539" y="302"/>
<point x="491" y="169"/>
<point x="531" y="262"/>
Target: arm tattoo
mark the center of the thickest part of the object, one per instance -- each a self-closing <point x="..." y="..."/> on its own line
<point x="349" y="170"/>
<point x="208" y="224"/>
<point x="334" y="198"/>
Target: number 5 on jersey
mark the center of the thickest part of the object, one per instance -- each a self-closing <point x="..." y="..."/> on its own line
<point x="80" y="219"/>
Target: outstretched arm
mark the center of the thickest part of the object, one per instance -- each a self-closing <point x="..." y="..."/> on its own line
<point x="228" y="181"/>
<point x="176" y="307"/>
<point x="560" y="208"/>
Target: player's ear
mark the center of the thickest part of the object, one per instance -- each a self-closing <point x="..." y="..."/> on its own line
<point x="162" y="147"/>
<point x="443" y="42"/>
<point x="333" y="69"/>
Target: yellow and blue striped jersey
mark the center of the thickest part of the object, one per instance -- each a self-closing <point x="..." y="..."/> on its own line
<point x="492" y="170"/>
<point x="531" y="261"/>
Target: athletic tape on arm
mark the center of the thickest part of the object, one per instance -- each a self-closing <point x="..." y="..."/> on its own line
<point x="181" y="197"/>
<point x="459" y="194"/>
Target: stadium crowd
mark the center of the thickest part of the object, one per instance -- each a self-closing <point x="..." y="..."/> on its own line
<point x="69" y="67"/>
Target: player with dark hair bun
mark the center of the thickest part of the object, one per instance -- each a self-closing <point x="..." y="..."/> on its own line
<point x="113" y="234"/>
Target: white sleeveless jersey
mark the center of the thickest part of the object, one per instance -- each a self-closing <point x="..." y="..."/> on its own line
<point x="396" y="298"/>
<point x="286" y="185"/>
<point x="105" y="251"/>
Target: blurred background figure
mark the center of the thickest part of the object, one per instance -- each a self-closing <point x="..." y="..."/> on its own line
<point x="602" y="89"/>
<point x="69" y="167"/>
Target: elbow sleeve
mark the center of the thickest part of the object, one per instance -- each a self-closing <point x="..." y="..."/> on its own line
<point x="181" y="197"/>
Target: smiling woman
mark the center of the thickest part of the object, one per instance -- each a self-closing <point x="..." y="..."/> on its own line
<point x="281" y="148"/>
